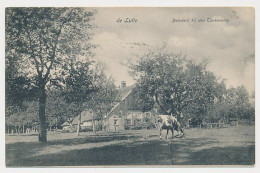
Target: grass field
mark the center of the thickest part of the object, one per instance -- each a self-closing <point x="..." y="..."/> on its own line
<point x="226" y="146"/>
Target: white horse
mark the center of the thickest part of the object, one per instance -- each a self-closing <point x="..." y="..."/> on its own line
<point x="168" y="122"/>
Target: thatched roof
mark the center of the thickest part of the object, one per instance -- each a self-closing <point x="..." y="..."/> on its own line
<point x="65" y="124"/>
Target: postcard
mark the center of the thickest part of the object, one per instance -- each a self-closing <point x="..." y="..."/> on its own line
<point x="129" y="86"/>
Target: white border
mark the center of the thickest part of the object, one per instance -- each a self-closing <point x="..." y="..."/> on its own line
<point x="127" y="3"/>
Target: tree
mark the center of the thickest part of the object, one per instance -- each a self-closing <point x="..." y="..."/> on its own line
<point x="18" y="88"/>
<point x="155" y="73"/>
<point x="238" y="99"/>
<point x="88" y="87"/>
<point x="58" y="110"/>
<point x="24" y="116"/>
<point x="45" y="38"/>
<point x="209" y="89"/>
<point x="234" y="105"/>
<point x="173" y="82"/>
<point x="106" y="94"/>
<point x="79" y="86"/>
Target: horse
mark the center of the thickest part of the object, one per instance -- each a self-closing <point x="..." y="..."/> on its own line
<point x="168" y="122"/>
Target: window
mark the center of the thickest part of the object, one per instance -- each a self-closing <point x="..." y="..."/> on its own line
<point x="115" y="121"/>
<point x="148" y="114"/>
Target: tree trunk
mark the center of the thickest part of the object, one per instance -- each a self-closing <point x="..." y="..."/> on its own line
<point x="123" y="123"/>
<point x="78" y="127"/>
<point x="93" y="124"/>
<point x="42" y="118"/>
<point x="56" y="123"/>
<point x="146" y="131"/>
<point x="23" y="127"/>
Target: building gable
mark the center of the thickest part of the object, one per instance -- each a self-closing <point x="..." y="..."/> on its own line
<point x="129" y="101"/>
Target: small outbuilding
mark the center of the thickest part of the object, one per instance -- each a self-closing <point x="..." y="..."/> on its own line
<point x="66" y="126"/>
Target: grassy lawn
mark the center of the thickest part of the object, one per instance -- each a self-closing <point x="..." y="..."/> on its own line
<point x="226" y="146"/>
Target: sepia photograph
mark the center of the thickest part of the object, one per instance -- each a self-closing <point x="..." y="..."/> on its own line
<point x="129" y="86"/>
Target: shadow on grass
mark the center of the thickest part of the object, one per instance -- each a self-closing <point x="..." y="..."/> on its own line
<point x="224" y="156"/>
<point x="20" y="150"/>
<point x="92" y="139"/>
<point x="139" y="152"/>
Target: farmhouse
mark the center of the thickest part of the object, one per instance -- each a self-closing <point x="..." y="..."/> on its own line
<point x="87" y="120"/>
<point x="66" y="126"/>
<point x="126" y="114"/>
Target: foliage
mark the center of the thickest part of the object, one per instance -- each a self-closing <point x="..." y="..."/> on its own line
<point x="235" y="106"/>
<point x="173" y="82"/>
<point x="180" y="86"/>
<point x="18" y="90"/>
<point x="27" y="115"/>
<point x="106" y="94"/>
<point x="88" y="87"/>
<point x="58" y="110"/>
<point x="45" y="39"/>
<point x="78" y="85"/>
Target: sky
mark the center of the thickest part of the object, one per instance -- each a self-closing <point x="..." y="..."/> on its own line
<point x="228" y="43"/>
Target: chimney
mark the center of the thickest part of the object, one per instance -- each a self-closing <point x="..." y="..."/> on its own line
<point x="123" y="84"/>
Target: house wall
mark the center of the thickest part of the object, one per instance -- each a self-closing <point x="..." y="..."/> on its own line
<point x="86" y="124"/>
<point x="131" y="117"/>
<point x="89" y="125"/>
<point x="128" y="109"/>
<point x="65" y="128"/>
<point x="115" y="123"/>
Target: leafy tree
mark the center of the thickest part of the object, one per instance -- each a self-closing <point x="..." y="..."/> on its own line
<point x="238" y="99"/>
<point x="58" y="110"/>
<point x="45" y="38"/>
<point x="79" y="85"/>
<point x="209" y="92"/>
<point x="18" y="88"/>
<point x="88" y="87"/>
<point x="173" y="82"/>
<point x="156" y="74"/>
<point x="219" y="111"/>
<point x="106" y="93"/>
<point x="23" y="116"/>
<point x="235" y="105"/>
